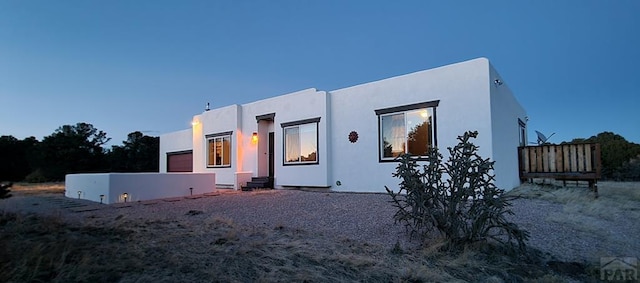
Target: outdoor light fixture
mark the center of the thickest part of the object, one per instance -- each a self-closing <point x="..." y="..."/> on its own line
<point x="254" y="137"/>
<point x="125" y="196"/>
<point x="101" y="198"/>
<point x="497" y="82"/>
<point x="79" y="193"/>
<point x="191" y="189"/>
<point x="207" y="107"/>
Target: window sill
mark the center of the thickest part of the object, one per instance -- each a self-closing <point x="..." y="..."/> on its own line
<point x="300" y="164"/>
<point x="397" y="159"/>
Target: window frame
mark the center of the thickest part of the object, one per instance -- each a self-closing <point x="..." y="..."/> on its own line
<point x="289" y="125"/>
<point x="221" y="136"/>
<point x="522" y="132"/>
<point x="433" y="105"/>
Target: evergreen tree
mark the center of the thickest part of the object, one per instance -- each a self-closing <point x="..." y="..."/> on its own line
<point x="139" y="153"/>
<point x="616" y="152"/>
<point x="73" y="149"/>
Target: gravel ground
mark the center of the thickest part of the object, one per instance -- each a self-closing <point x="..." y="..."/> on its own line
<point x="356" y="216"/>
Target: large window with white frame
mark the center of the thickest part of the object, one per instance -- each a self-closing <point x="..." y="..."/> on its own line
<point x="408" y="129"/>
<point x="219" y="150"/>
<point x="300" y="142"/>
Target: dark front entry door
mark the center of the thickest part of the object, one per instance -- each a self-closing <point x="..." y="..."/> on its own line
<point x="271" y="154"/>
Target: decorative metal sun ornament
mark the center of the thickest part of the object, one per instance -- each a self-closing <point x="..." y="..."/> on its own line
<point x="353" y="136"/>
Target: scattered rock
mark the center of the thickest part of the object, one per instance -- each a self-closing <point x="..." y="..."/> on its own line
<point x="220" y="241"/>
<point x="194" y="212"/>
<point x="573" y="269"/>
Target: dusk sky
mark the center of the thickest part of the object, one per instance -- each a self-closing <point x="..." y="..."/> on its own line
<point x="149" y="66"/>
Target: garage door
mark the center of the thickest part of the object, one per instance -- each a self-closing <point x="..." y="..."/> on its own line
<point x="180" y="161"/>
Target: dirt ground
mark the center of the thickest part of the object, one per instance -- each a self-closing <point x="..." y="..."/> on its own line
<point x="47" y="237"/>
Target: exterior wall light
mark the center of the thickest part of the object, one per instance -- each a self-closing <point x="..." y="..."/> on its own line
<point x="125" y="196"/>
<point x="101" y="198"/>
<point x="79" y="194"/>
<point x="191" y="189"/>
<point x="254" y="137"/>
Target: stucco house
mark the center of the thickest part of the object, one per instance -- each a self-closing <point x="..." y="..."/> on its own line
<point x="347" y="139"/>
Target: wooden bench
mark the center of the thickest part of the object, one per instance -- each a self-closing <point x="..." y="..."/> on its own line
<point x="566" y="162"/>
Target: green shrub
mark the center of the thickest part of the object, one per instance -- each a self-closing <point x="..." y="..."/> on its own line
<point x="37" y="176"/>
<point x="457" y="197"/>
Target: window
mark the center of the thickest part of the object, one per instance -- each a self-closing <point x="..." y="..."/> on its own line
<point x="301" y="142"/>
<point x="219" y="150"/>
<point x="522" y="127"/>
<point x="406" y="129"/>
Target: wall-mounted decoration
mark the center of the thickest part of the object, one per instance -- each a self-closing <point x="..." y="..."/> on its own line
<point x="353" y="136"/>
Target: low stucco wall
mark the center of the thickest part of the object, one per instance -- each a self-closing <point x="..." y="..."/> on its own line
<point x="137" y="186"/>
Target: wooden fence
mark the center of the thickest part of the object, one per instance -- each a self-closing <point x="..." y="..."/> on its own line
<point x="579" y="162"/>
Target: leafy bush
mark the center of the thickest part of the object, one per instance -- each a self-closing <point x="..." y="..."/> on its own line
<point x="457" y="197"/>
<point x="37" y="176"/>
<point x="629" y="171"/>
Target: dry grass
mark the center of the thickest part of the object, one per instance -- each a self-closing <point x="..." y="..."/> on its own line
<point x="37" y="188"/>
<point x="128" y="249"/>
<point x="605" y="218"/>
<point x="39" y="249"/>
<point x="48" y="250"/>
<point x="615" y="198"/>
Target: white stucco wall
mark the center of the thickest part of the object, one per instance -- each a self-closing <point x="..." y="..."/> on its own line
<point x="301" y="105"/>
<point x="174" y="142"/>
<point x="250" y="150"/>
<point x="138" y="186"/>
<point x="88" y="186"/>
<point x="468" y="100"/>
<point x="216" y="121"/>
<point x="463" y="92"/>
<point x="505" y="112"/>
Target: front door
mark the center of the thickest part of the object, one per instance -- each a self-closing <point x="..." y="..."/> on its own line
<point x="271" y="155"/>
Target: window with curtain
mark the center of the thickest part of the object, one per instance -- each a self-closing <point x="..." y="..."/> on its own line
<point x="301" y="142"/>
<point x="219" y="150"/>
<point x="406" y="130"/>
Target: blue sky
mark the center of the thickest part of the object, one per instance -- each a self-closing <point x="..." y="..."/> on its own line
<point x="150" y="66"/>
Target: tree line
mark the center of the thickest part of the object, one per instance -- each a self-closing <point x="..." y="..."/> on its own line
<point x="78" y="148"/>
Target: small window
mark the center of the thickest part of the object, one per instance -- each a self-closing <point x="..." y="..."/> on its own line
<point x="522" y="127"/>
<point x="406" y="130"/>
<point x="219" y="150"/>
<point x="301" y="142"/>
